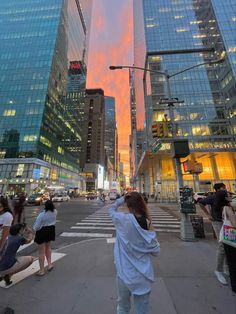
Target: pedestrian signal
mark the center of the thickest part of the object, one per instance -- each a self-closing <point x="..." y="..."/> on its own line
<point x="192" y="167"/>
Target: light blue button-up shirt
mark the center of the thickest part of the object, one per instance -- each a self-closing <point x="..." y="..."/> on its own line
<point x="44" y="219"/>
<point x="133" y="249"/>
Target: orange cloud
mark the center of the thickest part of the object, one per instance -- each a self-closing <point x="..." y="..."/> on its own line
<point x="111" y="43"/>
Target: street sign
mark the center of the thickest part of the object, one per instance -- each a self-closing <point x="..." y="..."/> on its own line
<point x="156" y="145"/>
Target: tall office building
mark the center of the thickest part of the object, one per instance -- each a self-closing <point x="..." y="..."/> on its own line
<point x="39" y="40"/>
<point x="176" y="35"/>
<point x="75" y="102"/>
<point x="93" y="128"/>
<point x="93" y="134"/>
<point x="133" y="116"/>
<point x="110" y="128"/>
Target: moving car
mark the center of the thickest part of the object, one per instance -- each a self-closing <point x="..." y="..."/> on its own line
<point x="91" y="196"/>
<point x="197" y="196"/>
<point x="35" y="199"/>
<point x="61" y="198"/>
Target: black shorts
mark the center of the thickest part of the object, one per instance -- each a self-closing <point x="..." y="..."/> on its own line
<point x="45" y="234"/>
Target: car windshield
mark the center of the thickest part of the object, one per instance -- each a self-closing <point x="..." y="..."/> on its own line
<point x="59" y="195"/>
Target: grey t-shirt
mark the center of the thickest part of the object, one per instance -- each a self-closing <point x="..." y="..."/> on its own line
<point x="9" y="257"/>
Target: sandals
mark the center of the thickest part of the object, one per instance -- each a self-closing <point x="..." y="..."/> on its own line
<point x="50" y="268"/>
<point x="40" y="274"/>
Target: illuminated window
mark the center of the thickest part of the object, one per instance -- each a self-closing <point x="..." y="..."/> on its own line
<point x="20" y="170"/>
<point x="29" y="138"/>
<point x="177" y="17"/>
<point x="2" y="154"/>
<point x="9" y="113"/>
<point x="200" y="130"/>
<point x="200" y="36"/>
<point x="232" y="49"/>
<point x="181" y="30"/>
<point x="60" y="150"/>
<point x="234" y="18"/>
<point x="195" y="22"/>
<point x="151" y="25"/>
<point x="45" y="141"/>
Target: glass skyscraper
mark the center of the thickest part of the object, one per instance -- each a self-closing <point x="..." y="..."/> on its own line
<point x="207" y="94"/>
<point x="39" y="40"/>
<point x="110" y="128"/>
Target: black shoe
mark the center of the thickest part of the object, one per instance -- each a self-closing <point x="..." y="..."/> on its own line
<point x="7" y="280"/>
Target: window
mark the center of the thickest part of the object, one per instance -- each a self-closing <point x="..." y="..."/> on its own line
<point x="29" y="138"/>
<point x="45" y="141"/>
<point x="20" y="170"/>
<point x="9" y="113"/>
<point x="60" y="150"/>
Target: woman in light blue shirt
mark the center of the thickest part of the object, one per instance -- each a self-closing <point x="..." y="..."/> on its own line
<point x="45" y="233"/>
<point x="135" y="243"/>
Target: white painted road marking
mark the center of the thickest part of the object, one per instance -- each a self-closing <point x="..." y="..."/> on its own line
<point x="22" y="247"/>
<point x="86" y="235"/>
<point x="93" y="228"/>
<point x="111" y="240"/>
<point x="33" y="268"/>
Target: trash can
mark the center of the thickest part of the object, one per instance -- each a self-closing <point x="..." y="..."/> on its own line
<point x="198" y="226"/>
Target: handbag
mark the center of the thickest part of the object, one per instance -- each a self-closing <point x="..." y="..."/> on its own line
<point x="227" y="232"/>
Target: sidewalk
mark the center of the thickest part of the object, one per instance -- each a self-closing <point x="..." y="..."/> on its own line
<point x="83" y="282"/>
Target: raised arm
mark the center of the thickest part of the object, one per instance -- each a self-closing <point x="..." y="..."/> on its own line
<point x="114" y="207"/>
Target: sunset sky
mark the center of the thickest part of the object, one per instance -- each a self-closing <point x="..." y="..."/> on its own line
<point x="111" y="43"/>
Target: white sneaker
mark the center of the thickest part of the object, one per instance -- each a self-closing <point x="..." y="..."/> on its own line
<point x="220" y="277"/>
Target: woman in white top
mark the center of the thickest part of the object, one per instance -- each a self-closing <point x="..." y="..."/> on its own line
<point x="6" y="219"/>
<point x="45" y="233"/>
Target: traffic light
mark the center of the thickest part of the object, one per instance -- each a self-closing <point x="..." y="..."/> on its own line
<point x="192" y="166"/>
<point x="154" y="129"/>
<point x="160" y="129"/>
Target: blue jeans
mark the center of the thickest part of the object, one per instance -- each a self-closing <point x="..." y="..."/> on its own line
<point x="141" y="302"/>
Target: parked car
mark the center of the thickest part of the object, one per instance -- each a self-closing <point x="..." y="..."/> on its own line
<point x="35" y="199"/>
<point x="91" y="196"/>
<point x="197" y="196"/>
<point x="61" y="198"/>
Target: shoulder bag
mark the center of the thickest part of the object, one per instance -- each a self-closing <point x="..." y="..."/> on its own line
<point x="227" y="232"/>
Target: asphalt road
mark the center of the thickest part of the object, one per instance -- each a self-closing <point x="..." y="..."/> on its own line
<point x="69" y="213"/>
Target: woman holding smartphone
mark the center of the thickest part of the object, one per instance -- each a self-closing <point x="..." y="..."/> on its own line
<point x="135" y="244"/>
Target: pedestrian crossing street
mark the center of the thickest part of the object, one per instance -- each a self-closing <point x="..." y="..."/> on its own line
<point x="99" y="225"/>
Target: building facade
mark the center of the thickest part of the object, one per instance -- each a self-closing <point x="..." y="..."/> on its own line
<point x="110" y="128"/>
<point x="176" y="35"/>
<point x="93" y="150"/>
<point x="39" y="39"/>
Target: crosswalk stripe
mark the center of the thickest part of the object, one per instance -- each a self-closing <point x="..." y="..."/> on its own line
<point x="94" y="224"/>
<point x="33" y="268"/>
<point x="86" y="235"/>
<point x="22" y="247"/>
<point x="101" y="220"/>
<point x="157" y="223"/>
<point x="93" y="228"/>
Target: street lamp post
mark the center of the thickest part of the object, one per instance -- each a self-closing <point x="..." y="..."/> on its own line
<point x="186" y="228"/>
